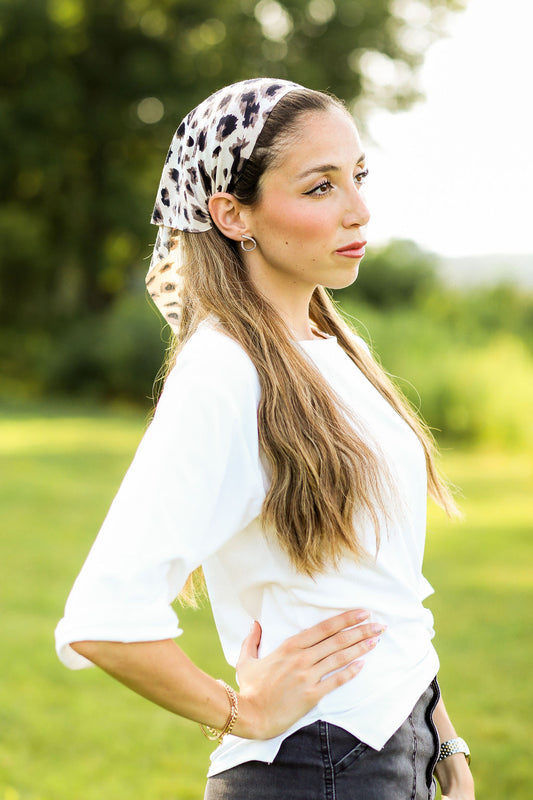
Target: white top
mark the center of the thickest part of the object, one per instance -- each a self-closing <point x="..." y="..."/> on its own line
<point x="193" y="495"/>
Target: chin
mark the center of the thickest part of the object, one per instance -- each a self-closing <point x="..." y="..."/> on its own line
<point x="344" y="280"/>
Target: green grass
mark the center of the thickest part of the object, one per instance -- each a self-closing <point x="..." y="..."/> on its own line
<point x="482" y="570"/>
<point x="81" y="736"/>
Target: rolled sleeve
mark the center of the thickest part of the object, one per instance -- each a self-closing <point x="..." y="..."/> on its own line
<point x="425" y="589"/>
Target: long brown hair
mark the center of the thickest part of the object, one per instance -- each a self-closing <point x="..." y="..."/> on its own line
<point x="326" y="478"/>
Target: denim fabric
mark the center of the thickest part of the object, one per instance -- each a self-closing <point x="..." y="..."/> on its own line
<point x="325" y="762"/>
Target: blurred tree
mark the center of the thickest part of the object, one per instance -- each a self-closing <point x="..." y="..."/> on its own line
<point x="479" y="312"/>
<point x="394" y="275"/>
<point x="92" y="92"/>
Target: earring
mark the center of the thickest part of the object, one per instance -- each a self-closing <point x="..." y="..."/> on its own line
<point x="249" y="239"/>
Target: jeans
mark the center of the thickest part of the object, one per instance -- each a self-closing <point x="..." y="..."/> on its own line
<point x="325" y="762"/>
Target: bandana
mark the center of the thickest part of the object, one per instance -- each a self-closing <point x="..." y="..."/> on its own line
<point x="207" y="155"/>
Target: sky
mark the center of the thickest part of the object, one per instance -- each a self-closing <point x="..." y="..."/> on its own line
<point x="455" y="173"/>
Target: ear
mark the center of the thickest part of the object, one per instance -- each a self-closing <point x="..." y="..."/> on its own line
<point x="229" y="215"/>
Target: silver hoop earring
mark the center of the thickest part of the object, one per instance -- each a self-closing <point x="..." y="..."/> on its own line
<point x="249" y="239"/>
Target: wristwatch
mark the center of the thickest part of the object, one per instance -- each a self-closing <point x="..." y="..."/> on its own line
<point x="453" y="746"/>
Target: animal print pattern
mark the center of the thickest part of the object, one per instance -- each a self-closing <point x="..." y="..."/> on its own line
<point x="163" y="280"/>
<point x="207" y="154"/>
<point x="209" y="150"/>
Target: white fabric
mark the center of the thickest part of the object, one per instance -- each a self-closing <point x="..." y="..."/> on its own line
<point x="193" y="495"/>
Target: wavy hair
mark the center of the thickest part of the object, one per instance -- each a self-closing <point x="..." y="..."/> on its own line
<point x="326" y="479"/>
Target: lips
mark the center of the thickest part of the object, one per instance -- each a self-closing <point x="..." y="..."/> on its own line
<point x="353" y="250"/>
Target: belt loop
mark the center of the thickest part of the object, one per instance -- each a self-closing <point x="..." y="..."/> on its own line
<point x="327" y="763"/>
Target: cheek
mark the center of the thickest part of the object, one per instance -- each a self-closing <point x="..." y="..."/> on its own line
<point x="295" y="225"/>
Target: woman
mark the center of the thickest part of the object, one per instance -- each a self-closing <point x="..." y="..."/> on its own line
<point x="282" y="460"/>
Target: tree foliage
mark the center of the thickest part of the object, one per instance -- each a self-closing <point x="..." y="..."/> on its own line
<point x="92" y="92"/>
<point x="394" y="275"/>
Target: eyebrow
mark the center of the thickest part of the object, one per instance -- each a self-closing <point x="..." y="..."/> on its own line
<point x="325" y="168"/>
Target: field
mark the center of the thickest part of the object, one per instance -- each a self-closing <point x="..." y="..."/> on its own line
<point x="80" y="736"/>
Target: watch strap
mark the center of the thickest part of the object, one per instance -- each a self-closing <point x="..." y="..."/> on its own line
<point x="452" y="746"/>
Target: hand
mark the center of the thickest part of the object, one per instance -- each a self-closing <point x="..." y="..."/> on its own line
<point x="279" y="689"/>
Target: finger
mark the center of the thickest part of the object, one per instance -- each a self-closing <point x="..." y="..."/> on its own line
<point x="338" y="678"/>
<point x="344" y="639"/>
<point x="250" y="645"/>
<point x="341" y="658"/>
<point x="329" y="627"/>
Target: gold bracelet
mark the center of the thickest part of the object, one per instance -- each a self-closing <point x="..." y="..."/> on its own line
<point x="212" y="733"/>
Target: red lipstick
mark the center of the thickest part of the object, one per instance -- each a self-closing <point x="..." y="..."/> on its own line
<point x="353" y="250"/>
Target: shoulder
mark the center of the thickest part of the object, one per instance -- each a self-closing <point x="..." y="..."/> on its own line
<point x="211" y="362"/>
<point x="361" y="344"/>
<point x="211" y="391"/>
<point x="358" y="342"/>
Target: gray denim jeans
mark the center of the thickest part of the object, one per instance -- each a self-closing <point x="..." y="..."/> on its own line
<point x="325" y="762"/>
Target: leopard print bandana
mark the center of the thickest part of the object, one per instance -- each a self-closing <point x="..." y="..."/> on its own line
<point x="207" y="154"/>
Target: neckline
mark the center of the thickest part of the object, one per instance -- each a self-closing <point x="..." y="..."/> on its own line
<point x="326" y="337"/>
<point x="212" y="320"/>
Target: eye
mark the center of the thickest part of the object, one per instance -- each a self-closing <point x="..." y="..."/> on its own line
<point x="360" y="177"/>
<point x="322" y="189"/>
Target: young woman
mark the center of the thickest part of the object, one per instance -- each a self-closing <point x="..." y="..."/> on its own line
<point x="283" y="461"/>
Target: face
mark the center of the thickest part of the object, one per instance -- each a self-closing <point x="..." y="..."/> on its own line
<point x="310" y="220"/>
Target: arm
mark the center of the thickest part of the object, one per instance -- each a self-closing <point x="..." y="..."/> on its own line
<point x="194" y="482"/>
<point x="453" y="773"/>
<point x="275" y="691"/>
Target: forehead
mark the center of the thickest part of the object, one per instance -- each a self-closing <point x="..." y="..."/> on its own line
<point x="321" y="137"/>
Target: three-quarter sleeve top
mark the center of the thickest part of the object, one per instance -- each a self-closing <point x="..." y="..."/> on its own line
<point x="193" y="496"/>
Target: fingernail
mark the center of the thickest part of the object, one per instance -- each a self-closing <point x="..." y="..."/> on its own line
<point x="370" y="643"/>
<point x="362" y="615"/>
<point x="379" y="629"/>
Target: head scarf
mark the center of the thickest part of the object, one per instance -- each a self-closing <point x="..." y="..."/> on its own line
<point x="207" y="155"/>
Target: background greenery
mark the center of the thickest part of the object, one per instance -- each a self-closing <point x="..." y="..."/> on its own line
<point x="91" y="93"/>
<point x="81" y="735"/>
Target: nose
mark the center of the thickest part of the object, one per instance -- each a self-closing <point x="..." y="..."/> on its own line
<point x="357" y="213"/>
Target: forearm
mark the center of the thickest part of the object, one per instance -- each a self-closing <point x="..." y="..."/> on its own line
<point x="161" y="672"/>
<point x="275" y="690"/>
<point x="453" y="772"/>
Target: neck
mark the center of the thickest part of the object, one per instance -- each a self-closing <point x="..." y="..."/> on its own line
<point x="290" y="301"/>
<point x="295" y="315"/>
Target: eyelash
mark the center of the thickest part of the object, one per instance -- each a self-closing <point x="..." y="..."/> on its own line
<point x="361" y="175"/>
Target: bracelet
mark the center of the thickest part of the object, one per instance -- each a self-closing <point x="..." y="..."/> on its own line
<point x="212" y="733"/>
<point x="453" y="746"/>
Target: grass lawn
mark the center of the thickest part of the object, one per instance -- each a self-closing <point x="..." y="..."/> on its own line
<point x="81" y="736"/>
